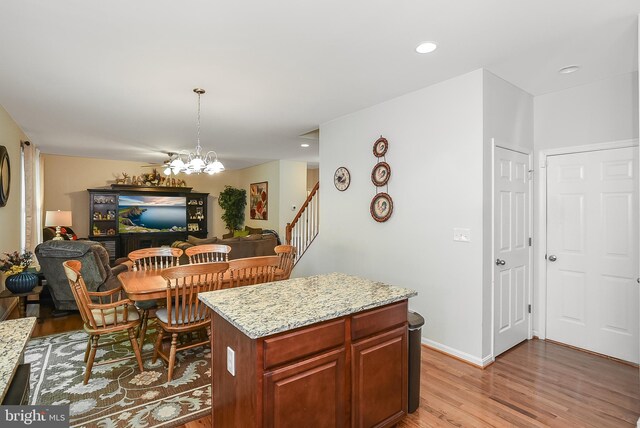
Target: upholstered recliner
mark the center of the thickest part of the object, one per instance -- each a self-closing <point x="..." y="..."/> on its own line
<point x="97" y="273"/>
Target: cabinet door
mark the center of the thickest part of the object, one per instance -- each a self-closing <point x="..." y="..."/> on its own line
<point x="379" y="376"/>
<point x="309" y="393"/>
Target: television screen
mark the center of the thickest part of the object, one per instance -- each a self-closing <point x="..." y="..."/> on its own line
<point x="139" y="214"/>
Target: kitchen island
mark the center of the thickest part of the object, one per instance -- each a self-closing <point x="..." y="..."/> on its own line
<point x="327" y="350"/>
<point x="14" y="335"/>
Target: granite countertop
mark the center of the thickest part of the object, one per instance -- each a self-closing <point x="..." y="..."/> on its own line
<point x="14" y="335"/>
<point x="274" y="307"/>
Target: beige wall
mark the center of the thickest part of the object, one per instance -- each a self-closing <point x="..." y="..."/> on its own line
<point x="313" y="176"/>
<point x="269" y="172"/>
<point x="11" y="214"/>
<point x="67" y="178"/>
<point x="293" y="191"/>
<point x="287" y="187"/>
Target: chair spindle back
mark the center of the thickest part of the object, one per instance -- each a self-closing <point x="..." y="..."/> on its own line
<point x="155" y="258"/>
<point x="184" y="283"/>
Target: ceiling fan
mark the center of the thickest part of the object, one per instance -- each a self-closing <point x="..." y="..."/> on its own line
<point x="172" y="156"/>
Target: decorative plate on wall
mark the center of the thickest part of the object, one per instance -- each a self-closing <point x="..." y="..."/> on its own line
<point x="5" y="176"/>
<point x="380" y="174"/>
<point x="380" y="147"/>
<point x="342" y="179"/>
<point x="381" y="207"/>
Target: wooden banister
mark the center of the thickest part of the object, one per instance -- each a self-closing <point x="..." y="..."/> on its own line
<point x="304" y="227"/>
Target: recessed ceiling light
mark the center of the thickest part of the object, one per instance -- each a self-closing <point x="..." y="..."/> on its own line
<point x="426" y="47"/>
<point x="304" y="145"/>
<point x="569" y="69"/>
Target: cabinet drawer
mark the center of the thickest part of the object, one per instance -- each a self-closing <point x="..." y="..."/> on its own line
<point x="370" y="322"/>
<point x="300" y="344"/>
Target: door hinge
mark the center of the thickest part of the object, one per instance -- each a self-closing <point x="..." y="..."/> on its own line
<point x="529" y="241"/>
<point x="529" y="308"/>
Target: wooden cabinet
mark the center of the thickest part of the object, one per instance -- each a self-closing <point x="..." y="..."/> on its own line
<point x="379" y="376"/>
<point x="350" y="371"/>
<point x="104" y="210"/>
<point x="307" y="393"/>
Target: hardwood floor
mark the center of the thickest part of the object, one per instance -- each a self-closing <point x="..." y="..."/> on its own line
<point x="536" y="384"/>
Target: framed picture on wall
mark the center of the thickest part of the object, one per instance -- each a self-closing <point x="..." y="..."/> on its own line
<point x="259" y="200"/>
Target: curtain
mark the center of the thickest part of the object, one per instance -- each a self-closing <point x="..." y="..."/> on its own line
<point x="32" y="196"/>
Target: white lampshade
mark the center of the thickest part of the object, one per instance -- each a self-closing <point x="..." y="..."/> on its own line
<point x="58" y="218"/>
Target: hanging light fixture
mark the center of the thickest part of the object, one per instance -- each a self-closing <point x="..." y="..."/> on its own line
<point x="195" y="162"/>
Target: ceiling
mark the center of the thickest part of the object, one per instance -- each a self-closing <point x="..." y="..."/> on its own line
<point x="114" y="79"/>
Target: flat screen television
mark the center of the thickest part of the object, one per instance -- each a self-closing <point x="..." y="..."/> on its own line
<point x="141" y="214"/>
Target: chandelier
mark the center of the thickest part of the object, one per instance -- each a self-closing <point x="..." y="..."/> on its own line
<point x="195" y="162"/>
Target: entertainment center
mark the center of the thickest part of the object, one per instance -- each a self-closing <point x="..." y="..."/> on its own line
<point x="126" y="218"/>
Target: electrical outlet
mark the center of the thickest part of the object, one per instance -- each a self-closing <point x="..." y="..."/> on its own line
<point x="461" y="234"/>
<point x="231" y="361"/>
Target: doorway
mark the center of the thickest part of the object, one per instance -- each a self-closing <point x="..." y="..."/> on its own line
<point x="592" y="293"/>
<point x="511" y="249"/>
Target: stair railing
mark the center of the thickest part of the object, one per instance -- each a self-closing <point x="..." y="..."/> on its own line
<point x="304" y="228"/>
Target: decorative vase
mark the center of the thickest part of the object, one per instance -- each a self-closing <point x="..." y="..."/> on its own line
<point x="22" y="282"/>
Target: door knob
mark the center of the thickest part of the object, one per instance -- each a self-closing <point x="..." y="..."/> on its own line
<point x="552" y="258"/>
<point x="500" y="262"/>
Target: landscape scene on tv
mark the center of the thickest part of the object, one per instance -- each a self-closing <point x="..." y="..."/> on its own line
<point x="140" y="214"/>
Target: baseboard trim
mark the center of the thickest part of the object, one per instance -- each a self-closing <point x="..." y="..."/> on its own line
<point x="480" y="363"/>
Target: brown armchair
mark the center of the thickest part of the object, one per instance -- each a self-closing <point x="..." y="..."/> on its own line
<point x="97" y="273"/>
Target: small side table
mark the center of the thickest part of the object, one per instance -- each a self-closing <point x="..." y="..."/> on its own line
<point x="22" y="298"/>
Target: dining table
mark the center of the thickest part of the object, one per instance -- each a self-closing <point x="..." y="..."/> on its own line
<point x="144" y="285"/>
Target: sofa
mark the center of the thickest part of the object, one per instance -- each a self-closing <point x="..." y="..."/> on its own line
<point x="97" y="273"/>
<point x="254" y="245"/>
<point x="48" y="233"/>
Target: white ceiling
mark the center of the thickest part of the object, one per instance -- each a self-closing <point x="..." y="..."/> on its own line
<point x="113" y="79"/>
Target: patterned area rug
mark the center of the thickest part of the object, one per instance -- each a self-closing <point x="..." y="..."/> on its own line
<point x="117" y="394"/>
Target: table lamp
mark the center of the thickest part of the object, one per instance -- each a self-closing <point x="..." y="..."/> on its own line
<point x="57" y="219"/>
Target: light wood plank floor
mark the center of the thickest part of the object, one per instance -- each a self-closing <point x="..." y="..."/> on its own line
<point x="535" y="384"/>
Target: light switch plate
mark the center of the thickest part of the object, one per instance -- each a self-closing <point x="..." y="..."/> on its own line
<point x="461" y="234"/>
<point x="231" y="361"/>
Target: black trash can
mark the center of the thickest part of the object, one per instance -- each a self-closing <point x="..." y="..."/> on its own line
<point x="416" y="321"/>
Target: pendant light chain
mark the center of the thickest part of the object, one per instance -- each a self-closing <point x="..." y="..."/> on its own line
<point x="196" y="162"/>
<point x="198" y="148"/>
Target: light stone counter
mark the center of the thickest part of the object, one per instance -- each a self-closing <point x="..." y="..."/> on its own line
<point x="14" y="335"/>
<point x="266" y="309"/>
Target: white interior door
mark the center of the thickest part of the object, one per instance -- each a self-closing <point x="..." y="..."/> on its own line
<point x="592" y="251"/>
<point x="511" y="249"/>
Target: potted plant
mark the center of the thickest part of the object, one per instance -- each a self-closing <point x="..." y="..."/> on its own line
<point x="233" y="201"/>
<point x="14" y="265"/>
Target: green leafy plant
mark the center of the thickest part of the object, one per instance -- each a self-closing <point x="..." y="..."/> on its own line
<point x="233" y="201"/>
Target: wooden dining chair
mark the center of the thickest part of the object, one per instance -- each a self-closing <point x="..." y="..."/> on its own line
<point x="287" y="254"/>
<point x="110" y="314"/>
<point x="253" y="270"/>
<point x="155" y="258"/>
<point x="152" y="259"/>
<point x="209" y="253"/>
<point x="184" y="311"/>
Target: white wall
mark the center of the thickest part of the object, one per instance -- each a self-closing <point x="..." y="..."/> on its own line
<point x="606" y="110"/>
<point x="508" y="118"/>
<point x="599" y="112"/>
<point x="436" y="156"/>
